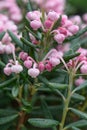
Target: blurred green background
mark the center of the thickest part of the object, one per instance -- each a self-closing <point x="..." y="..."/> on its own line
<point x="76" y="6"/>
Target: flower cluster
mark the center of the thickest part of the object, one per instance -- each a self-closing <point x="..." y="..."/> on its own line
<point x="50" y="60"/>
<point x="53" y="57"/>
<point x="66" y="28"/>
<point x="79" y="63"/>
<point x="12" y="9"/>
<point x="13" y="67"/>
<point x="56" y="5"/>
<point x="5" y="44"/>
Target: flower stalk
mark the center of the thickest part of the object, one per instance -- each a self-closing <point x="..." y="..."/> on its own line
<point x="67" y="101"/>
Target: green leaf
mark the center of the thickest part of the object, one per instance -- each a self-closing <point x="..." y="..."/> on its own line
<point x="45" y="109"/>
<point x="80" y="123"/>
<point x="7" y="119"/>
<point x="74" y="128"/>
<point x="43" y="79"/>
<point x="28" y="29"/>
<point x="15" y="91"/>
<point x="57" y="85"/>
<point x="57" y="23"/>
<point x="29" y="6"/>
<point x="26" y="103"/>
<point x="71" y="56"/>
<point x="2" y="64"/>
<point x="6" y="112"/>
<point x="79" y="113"/>
<point x="43" y="123"/>
<point x="15" y="39"/>
<point x="84" y="85"/>
<point x="28" y="43"/>
<point x="2" y="35"/>
<point x="6" y="83"/>
<point x="78" y="97"/>
<point x="44" y="89"/>
<point x="27" y="107"/>
<point x="5" y="127"/>
<point x="52" y="85"/>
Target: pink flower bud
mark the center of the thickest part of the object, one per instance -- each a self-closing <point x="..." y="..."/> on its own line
<point x="59" y="54"/>
<point x="82" y="51"/>
<point x="79" y="81"/>
<point x="69" y="33"/>
<point x="85" y="17"/>
<point x="23" y="55"/>
<point x="9" y="48"/>
<point x="16" y="68"/>
<point x="48" y="24"/>
<point x="54" y="61"/>
<point x="7" y="70"/>
<point x="76" y="19"/>
<point x="17" y="17"/>
<point x="6" y="39"/>
<point x="33" y="39"/>
<point x="41" y="66"/>
<point x="33" y="72"/>
<point x="64" y="19"/>
<point x="67" y="23"/>
<point x="3" y="18"/>
<point x="62" y="30"/>
<point x="84" y="68"/>
<point x="73" y="29"/>
<point x="59" y="38"/>
<point x="35" y="15"/>
<point x="66" y="47"/>
<point x="28" y="64"/>
<point x="2" y="48"/>
<point x="53" y="16"/>
<point x="35" y="24"/>
<point x="48" y="66"/>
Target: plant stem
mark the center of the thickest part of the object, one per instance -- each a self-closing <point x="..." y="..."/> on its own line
<point x="22" y="113"/>
<point x="21" y="120"/>
<point x="67" y="101"/>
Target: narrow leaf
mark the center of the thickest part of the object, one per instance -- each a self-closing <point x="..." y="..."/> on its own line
<point x="15" y="91"/>
<point x="57" y="85"/>
<point x="2" y="64"/>
<point x="2" y="35"/>
<point x="74" y="128"/>
<point x="78" y="97"/>
<point x="45" y="109"/>
<point x="52" y="85"/>
<point x="57" y="23"/>
<point x="29" y="6"/>
<point x="43" y="123"/>
<point x="6" y="112"/>
<point x="84" y="85"/>
<point x="28" y="43"/>
<point x="79" y="113"/>
<point x="7" y="119"/>
<point x="80" y="123"/>
<point x="5" y="83"/>
<point x="15" y="39"/>
<point x="71" y="56"/>
<point x="43" y="79"/>
<point x="37" y="37"/>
